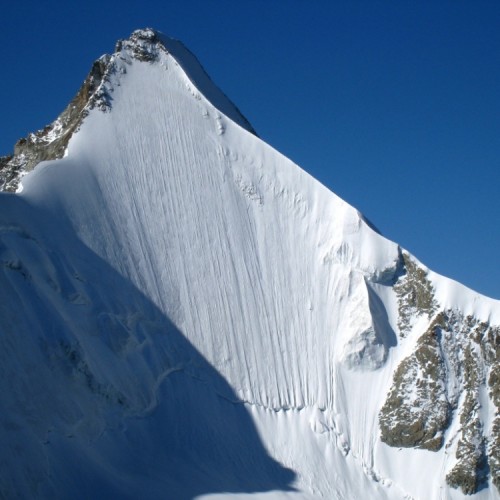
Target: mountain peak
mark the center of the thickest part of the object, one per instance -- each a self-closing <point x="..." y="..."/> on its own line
<point x="175" y="292"/>
<point x="144" y="46"/>
<point x="149" y="34"/>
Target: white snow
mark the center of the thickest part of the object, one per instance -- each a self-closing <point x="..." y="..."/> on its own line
<point x="225" y="297"/>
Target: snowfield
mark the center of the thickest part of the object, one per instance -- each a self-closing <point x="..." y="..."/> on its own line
<point x="185" y="313"/>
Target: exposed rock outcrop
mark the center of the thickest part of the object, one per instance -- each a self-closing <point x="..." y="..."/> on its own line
<point x="415" y="295"/>
<point x="50" y="143"/>
<point x="454" y="361"/>
<point x="416" y="411"/>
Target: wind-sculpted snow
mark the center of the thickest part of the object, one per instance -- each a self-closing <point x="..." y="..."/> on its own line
<point x="213" y="320"/>
<point x="102" y="396"/>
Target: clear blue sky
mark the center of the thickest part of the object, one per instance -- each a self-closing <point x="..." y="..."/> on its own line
<point x="393" y="105"/>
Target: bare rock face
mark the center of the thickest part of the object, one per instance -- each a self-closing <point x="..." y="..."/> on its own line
<point x="491" y="353"/>
<point x="415" y="295"/>
<point x="50" y="143"/>
<point x="416" y="411"/>
<point x="144" y="45"/>
<point x="455" y="361"/>
<point x="469" y="473"/>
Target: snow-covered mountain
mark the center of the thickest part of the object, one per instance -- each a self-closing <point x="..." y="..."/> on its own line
<point x="185" y="313"/>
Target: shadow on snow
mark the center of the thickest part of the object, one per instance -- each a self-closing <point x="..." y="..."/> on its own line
<point x="116" y="402"/>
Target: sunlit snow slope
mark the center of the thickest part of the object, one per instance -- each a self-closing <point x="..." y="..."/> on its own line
<point x="186" y="313"/>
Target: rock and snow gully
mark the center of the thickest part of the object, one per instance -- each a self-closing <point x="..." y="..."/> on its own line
<point x="185" y="313"/>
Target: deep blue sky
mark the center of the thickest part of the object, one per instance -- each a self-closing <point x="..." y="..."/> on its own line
<point x="394" y="105"/>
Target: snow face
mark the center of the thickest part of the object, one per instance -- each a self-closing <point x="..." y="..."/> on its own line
<point x="211" y="319"/>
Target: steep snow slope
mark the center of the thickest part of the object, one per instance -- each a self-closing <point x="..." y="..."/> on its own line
<point x="200" y="316"/>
